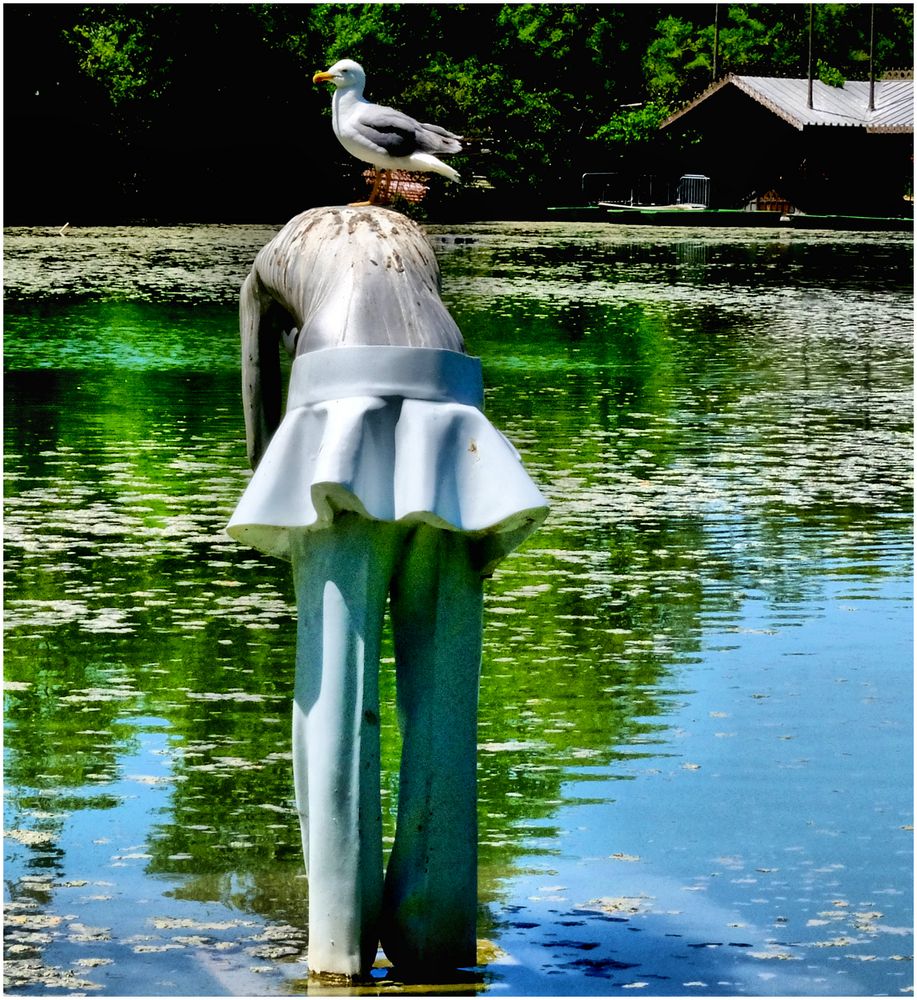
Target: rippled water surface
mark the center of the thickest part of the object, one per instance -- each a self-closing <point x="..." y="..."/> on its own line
<point x="696" y="733"/>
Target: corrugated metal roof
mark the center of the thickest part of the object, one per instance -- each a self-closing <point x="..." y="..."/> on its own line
<point x="838" y="106"/>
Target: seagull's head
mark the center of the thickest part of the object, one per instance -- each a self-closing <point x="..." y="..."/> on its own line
<point x="345" y="74"/>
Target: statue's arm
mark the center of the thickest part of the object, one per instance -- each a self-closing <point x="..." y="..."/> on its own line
<point x="260" y="369"/>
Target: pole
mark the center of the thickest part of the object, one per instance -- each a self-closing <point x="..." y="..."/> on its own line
<point x="811" y="34"/>
<point x="872" y="67"/>
<point x="716" y="40"/>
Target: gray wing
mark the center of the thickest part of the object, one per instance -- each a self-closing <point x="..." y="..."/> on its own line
<point x="400" y="135"/>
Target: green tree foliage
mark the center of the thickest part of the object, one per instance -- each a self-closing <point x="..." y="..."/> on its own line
<point x="116" y="51"/>
<point x="772" y="40"/>
<point x="632" y="126"/>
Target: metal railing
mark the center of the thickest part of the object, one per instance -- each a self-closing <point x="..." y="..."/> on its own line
<point x="619" y="188"/>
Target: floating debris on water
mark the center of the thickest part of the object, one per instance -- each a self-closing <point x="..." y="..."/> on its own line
<point x="620" y="905"/>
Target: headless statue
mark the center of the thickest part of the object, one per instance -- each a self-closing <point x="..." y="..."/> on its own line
<point x="384" y="484"/>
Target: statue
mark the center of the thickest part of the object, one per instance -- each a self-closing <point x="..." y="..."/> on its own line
<point x="383" y="480"/>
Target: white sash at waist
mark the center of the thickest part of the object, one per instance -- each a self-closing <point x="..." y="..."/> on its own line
<point x="386" y="370"/>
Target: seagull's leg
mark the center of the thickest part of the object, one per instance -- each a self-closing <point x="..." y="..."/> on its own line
<point x="381" y="177"/>
<point x="377" y="184"/>
<point x="385" y="187"/>
<point x="372" y="194"/>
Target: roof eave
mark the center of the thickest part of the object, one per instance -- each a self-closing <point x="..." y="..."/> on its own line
<point x="771" y="106"/>
<point x="712" y="89"/>
<point x="748" y="91"/>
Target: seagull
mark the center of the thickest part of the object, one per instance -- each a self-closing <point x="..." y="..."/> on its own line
<point x="386" y="138"/>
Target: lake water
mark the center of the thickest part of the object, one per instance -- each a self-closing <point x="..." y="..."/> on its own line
<point x="696" y="709"/>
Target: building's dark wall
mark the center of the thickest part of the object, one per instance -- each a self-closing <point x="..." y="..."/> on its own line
<point x="742" y="147"/>
<point x="852" y="172"/>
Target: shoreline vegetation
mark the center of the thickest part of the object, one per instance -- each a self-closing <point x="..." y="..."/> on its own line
<point x="160" y="113"/>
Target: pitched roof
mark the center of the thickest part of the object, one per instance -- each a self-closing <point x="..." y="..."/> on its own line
<point x="838" y="106"/>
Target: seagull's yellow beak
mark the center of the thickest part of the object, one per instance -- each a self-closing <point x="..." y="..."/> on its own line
<point x="323" y="77"/>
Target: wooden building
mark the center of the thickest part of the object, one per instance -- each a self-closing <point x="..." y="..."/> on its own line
<point x="764" y="147"/>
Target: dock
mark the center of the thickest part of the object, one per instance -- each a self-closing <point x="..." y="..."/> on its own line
<point x="671" y="215"/>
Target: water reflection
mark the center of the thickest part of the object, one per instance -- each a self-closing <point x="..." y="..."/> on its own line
<point x="723" y="427"/>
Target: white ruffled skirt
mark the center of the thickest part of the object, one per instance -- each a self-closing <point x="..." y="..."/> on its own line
<point x="392" y="434"/>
